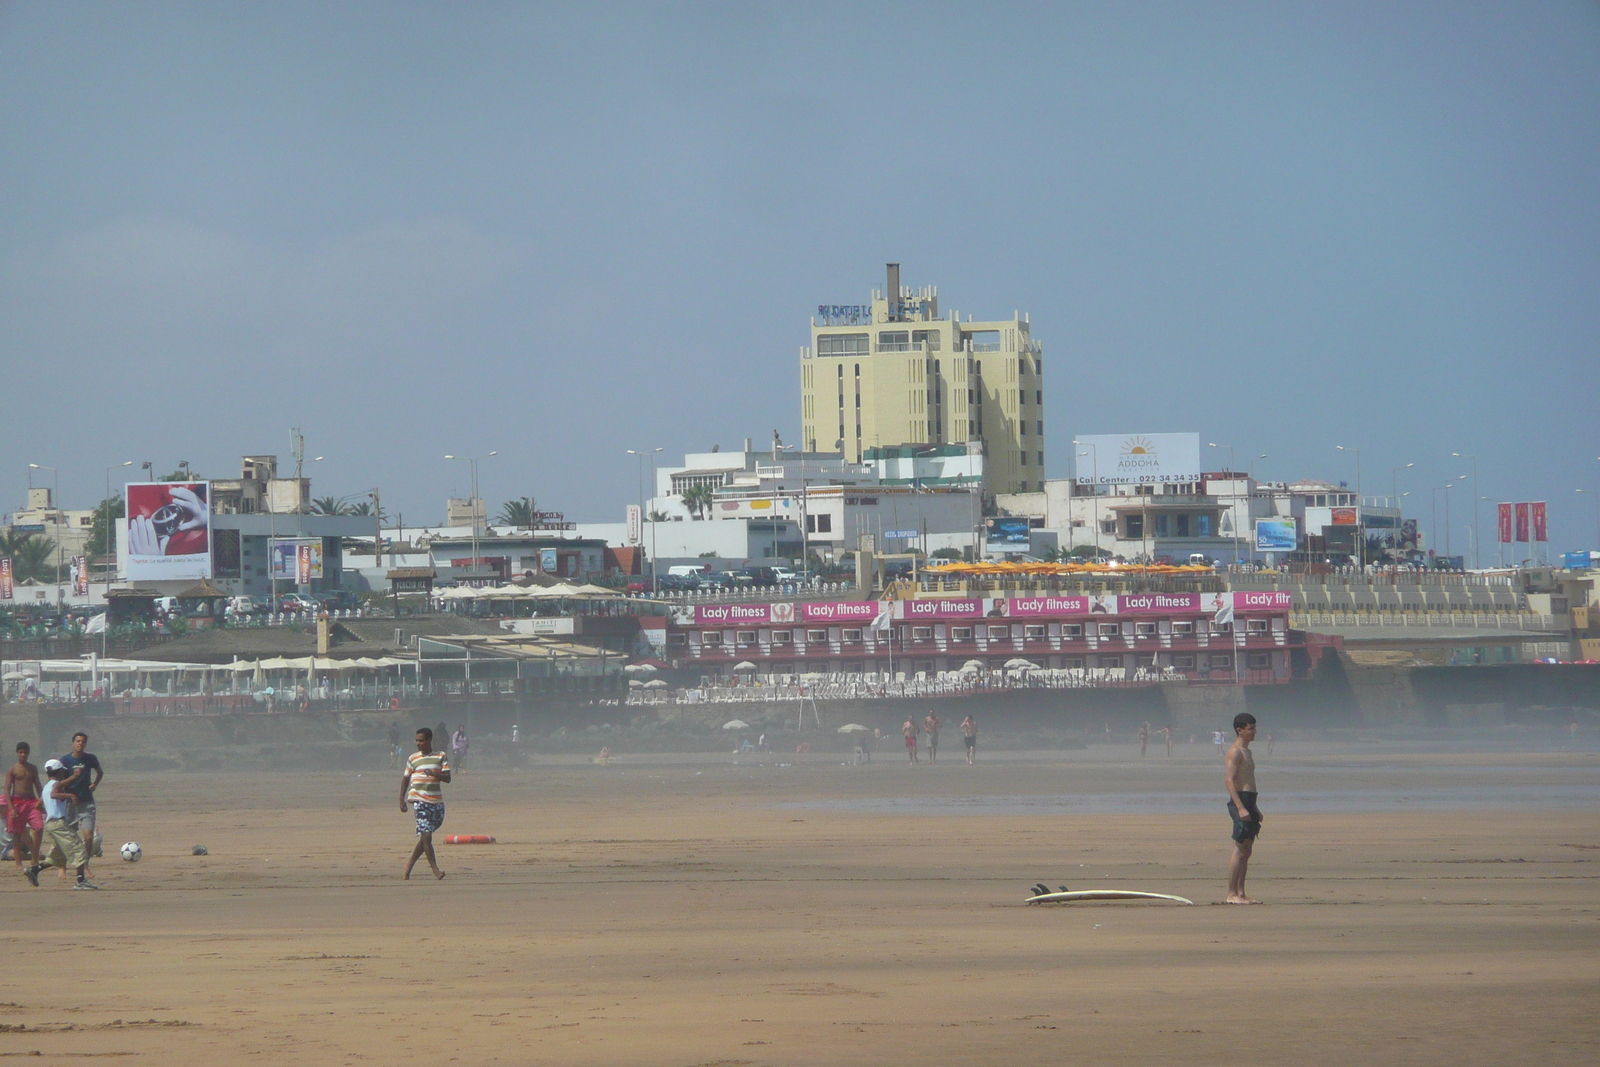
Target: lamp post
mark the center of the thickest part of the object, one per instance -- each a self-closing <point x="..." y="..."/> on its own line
<point x="55" y="503"/>
<point x="472" y="504"/>
<point x="655" y="579"/>
<point x="1394" y="479"/>
<point x="1096" y="487"/>
<point x="1474" y="459"/>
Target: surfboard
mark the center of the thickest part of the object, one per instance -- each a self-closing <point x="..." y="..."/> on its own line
<point x="469" y="839"/>
<point x="1101" y="894"/>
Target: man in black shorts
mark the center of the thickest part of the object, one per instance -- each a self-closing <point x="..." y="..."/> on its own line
<point x="1239" y="776"/>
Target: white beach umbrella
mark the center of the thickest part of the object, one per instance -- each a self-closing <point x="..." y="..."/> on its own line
<point x="744" y="666"/>
<point x="640" y="668"/>
<point x="852" y="728"/>
<point x="1020" y="664"/>
<point x="656" y="684"/>
<point x="736" y="724"/>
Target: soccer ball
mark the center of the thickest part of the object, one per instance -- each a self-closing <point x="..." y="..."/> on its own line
<point x="131" y="852"/>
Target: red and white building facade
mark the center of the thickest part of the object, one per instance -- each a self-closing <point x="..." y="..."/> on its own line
<point x="1202" y="636"/>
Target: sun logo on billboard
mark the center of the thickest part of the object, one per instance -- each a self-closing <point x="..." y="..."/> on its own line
<point x="1138" y="446"/>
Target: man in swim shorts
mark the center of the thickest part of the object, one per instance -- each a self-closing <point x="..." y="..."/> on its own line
<point x="423" y="785"/>
<point x="969" y="734"/>
<point x="24" y="815"/>
<point x="910" y="732"/>
<point x="1239" y="776"/>
<point x="930" y="726"/>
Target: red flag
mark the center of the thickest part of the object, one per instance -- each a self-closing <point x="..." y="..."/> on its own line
<point x="1522" y="522"/>
<point x="1540" y="530"/>
<point x="1505" y="524"/>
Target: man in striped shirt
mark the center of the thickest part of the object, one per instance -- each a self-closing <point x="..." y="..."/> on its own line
<point x="422" y="785"/>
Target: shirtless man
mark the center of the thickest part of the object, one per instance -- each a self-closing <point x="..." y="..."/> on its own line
<point x="24" y="816"/>
<point x="1239" y="776"/>
<point x="1166" y="731"/>
<point x="969" y="734"/>
<point x="1144" y="739"/>
<point x="930" y="726"/>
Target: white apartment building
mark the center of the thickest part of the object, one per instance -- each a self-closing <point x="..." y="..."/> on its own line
<point x="894" y="372"/>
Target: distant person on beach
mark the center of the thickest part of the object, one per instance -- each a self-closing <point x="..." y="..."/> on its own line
<point x="1166" y="731"/>
<point x="1239" y="776"/>
<point x="422" y="784"/>
<point x="930" y="726"/>
<point x="1271" y="742"/>
<point x="910" y="732"/>
<point x="1216" y="739"/>
<point x="1144" y="739"/>
<point x="459" y="745"/>
<point x="969" y="734"/>
<point x="24" y="815"/>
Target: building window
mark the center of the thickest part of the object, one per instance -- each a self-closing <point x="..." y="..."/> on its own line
<point x="999" y="633"/>
<point x="1074" y="663"/>
<point x="894" y="341"/>
<point x="1038" y="396"/>
<point x="816" y="636"/>
<point x="1183" y="662"/>
<point x="1041" y="463"/>
<point x="1255" y="626"/>
<point x="1182" y="627"/>
<point x="1161" y="526"/>
<point x="1258" y="661"/>
<point x="782" y="637"/>
<point x="961" y="633"/>
<point x="842" y="344"/>
<point x="1144" y="629"/>
<point x="747" y="637"/>
<point x="677" y="639"/>
<point x="922" y="633"/>
<point x="853" y="636"/>
<point x="1221" y="661"/>
<point x="711" y="637"/>
<point x="1072" y="629"/>
<point x="1110" y="629"/>
<point x="926" y="337"/>
<point x="1024" y="459"/>
<point x="1023" y="431"/>
<point x="1032" y="632"/>
<point x="1040" y="427"/>
<point x="1221" y="627"/>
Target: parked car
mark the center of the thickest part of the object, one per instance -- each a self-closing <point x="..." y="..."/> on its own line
<point x="340" y="600"/>
<point x="784" y="575"/>
<point x="295" y="604"/>
<point x="756" y="577"/>
<point x="246" y="605"/>
<point x="680" y="583"/>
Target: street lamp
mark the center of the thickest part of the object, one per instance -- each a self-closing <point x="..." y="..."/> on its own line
<point x="1394" y="480"/>
<point x="655" y="579"/>
<point x="472" y="504"/>
<point x="1095" y="487"/>
<point x="1474" y="459"/>
<point x="55" y="501"/>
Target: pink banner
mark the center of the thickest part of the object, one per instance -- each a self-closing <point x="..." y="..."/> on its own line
<point x="1539" y="513"/>
<point x="1270" y="600"/>
<point x="939" y="609"/>
<point x="1159" y="603"/>
<point x="1031" y="606"/>
<point x="840" y="610"/>
<point x="1522" y="523"/>
<point x="742" y="614"/>
<point x="1504" y="528"/>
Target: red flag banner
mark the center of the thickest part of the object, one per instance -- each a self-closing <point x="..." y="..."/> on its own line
<point x="1505" y="524"/>
<point x="1522" y="522"/>
<point x="1540" y="528"/>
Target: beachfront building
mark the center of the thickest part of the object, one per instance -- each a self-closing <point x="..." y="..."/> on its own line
<point x="1151" y="636"/>
<point x="893" y="372"/>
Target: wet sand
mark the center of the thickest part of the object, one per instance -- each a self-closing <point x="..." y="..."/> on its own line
<point x="692" y="911"/>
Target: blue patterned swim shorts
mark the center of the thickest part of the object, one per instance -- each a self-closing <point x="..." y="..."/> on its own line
<point x="429" y="816"/>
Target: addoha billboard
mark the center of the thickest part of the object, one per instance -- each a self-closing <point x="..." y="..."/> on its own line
<point x="169" y="531"/>
<point x="1138" y="458"/>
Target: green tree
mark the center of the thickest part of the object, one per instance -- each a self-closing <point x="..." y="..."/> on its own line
<point x="364" y="509"/>
<point x="182" y="474"/>
<point x="946" y="553"/>
<point x="1088" y="552"/>
<point x="698" y="499"/>
<point x="518" y="513"/>
<point x="30" y="556"/>
<point x="330" y="505"/>
<point x="103" y="535"/>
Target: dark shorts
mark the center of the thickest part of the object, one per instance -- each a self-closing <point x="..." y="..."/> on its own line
<point x="1247" y="828"/>
<point x="972" y="742"/>
<point x="429" y="816"/>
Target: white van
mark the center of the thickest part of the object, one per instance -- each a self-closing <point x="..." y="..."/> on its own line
<point x="687" y="571"/>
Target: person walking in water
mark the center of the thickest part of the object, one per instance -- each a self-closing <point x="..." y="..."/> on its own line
<point x="1239" y="777"/>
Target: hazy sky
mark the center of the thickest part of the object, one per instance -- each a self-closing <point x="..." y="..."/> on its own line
<point x="568" y="230"/>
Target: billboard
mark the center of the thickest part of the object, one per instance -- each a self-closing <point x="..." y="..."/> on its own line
<point x="80" y="575"/>
<point x="1276" y="535"/>
<point x="1523" y="522"/>
<point x="1008" y="534"/>
<point x="297" y="560"/>
<point x="6" y="591"/>
<point x="1343" y="516"/>
<point x="635" y="524"/>
<point x="1541" y="529"/>
<point x="169" y="531"/>
<point x="1139" y="459"/>
<point x="1503" y="528"/>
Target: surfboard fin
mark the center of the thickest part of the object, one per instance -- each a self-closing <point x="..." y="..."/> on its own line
<point x="1063" y="889"/>
<point x="1040" y="890"/>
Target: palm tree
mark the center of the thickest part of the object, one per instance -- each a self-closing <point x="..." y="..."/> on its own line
<point x="364" y="509"/>
<point x="698" y="499"/>
<point x="29" y="555"/>
<point x="330" y="505"/>
<point x="518" y="513"/>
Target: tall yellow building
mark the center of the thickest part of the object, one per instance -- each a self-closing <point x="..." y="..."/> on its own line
<point x="893" y="372"/>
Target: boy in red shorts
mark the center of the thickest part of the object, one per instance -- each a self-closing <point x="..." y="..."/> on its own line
<point x="24" y="816"/>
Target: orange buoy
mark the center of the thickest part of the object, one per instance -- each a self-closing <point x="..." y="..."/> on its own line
<point x="469" y="839"/>
<point x="394" y="703"/>
<point x="803" y="747"/>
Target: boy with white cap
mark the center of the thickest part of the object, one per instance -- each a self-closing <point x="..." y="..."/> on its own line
<point x="57" y="801"/>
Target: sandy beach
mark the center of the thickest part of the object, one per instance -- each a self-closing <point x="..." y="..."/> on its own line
<point x="1421" y="908"/>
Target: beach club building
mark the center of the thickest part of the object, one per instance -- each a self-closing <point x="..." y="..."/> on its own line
<point x="1198" y="636"/>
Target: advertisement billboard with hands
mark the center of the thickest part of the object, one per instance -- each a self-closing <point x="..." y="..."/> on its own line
<point x="169" y="531"/>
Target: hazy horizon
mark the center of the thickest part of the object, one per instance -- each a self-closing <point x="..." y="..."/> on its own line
<point x="564" y="232"/>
